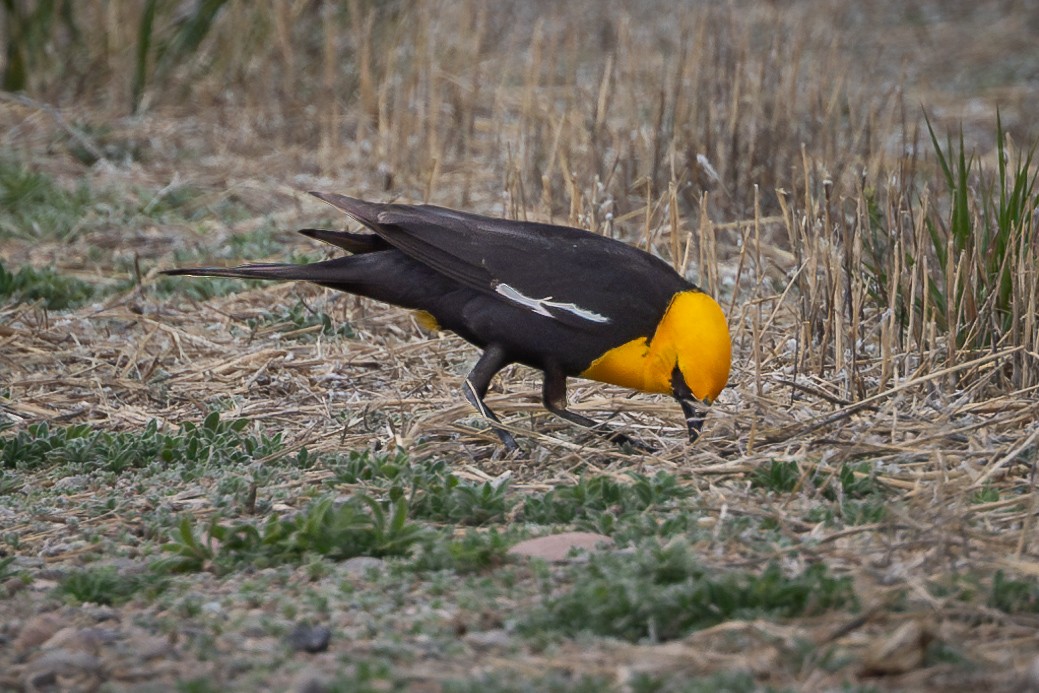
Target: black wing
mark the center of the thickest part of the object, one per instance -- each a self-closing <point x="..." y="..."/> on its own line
<point x="569" y="275"/>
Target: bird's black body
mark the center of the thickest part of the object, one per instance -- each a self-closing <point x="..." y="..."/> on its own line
<point x="551" y="297"/>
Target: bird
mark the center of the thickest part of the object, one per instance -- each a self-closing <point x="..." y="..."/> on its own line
<point x="563" y="300"/>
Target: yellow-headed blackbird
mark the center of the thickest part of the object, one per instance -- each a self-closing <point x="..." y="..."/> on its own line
<point x="563" y="300"/>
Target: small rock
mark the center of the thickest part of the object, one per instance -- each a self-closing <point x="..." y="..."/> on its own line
<point x="78" y="640"/>
<point x="125" y="566"/>
<point x="13" y="586"/>
<point x="36" y="631"/>
<point x="1031" y="678"/>
<point x="71" y="483"/>
<point x="52" y="573"/>
<point x="360" y="566"/>
<point x="310" y="681"/>
<point x="42" y="585"/>
<point x="213" y="608"/>
<point x="258" y="646"/>
<point x="899" y="651"/>
<point x="307" y="638"/>
<point x="62" y="547"/>
<point x="494" y="639"/>
<point x="102" y="613"/>
<point x="146" y="646"/>
<point x="556" y="547"/>
<point x="76" y="671"/>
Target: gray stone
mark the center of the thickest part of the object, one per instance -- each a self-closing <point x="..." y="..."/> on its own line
<point x="362" y="565"/>
<point x="307" y="638"/>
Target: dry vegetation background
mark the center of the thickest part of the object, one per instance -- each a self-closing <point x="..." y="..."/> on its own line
<point x="776" y="150"/>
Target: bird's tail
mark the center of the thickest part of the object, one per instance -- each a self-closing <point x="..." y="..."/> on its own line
<point x="337" y="271"/>
<point x="363" y="211"/>
<point x="355" y="243"/>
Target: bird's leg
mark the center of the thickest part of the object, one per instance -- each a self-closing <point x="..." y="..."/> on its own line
<point x="554" y="397"/>
<point x="476" y="384"/>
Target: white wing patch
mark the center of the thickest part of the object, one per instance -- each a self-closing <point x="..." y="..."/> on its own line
<point x="541" y="305"/>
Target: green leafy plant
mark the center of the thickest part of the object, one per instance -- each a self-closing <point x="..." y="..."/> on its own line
<point x="6" y="568"/>
<point x="1014" y="596"/>
<point x="34" y="206"/>
<point x="168" y="50"/>
<point x="104" y="585"/>
<point x="590" y="497"/>
<point x="214" y="441"/>
<point x="359" y="526"/>
<point x="850" y="493"/>
<point x="663" y="592"/>
<point x="777" y="475"/>
<point x="57" y="291"/>
<point x="989" y="230"/>
<point x="433" y="492"/>
<point x="473" y="552"/>
<point x="985" y="494"/>
<point x="552" y="682"/>
<point x="450" y="499"/>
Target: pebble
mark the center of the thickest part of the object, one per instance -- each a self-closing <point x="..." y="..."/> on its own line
<point x="360" y="566"/>
<point x="64" y="669"/>
<point x="78" y="640"/>
<point x="36" y="631"/>
<point x="71" y="483"/>
<point x="494" y="639"/>
<point x="213" y="608"/>
<point x="146" y="646"/>
<point x="13" y="586"/>
<point x="557" y="547"/>
<point x="1031" y="679"/>
<point x="102" y="613"/>
<point x="307" y="638"/>
<point x="310" y="681"/>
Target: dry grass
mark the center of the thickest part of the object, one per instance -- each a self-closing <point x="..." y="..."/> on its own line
<point x="754" y="143"/>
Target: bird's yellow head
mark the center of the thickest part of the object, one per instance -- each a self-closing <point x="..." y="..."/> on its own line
<point x="689" y="356"/>
<point x="696" y="351"/>
<point x="696" y="329"/>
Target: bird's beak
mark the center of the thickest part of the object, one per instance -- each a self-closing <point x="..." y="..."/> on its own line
<point x="695" y="411"/>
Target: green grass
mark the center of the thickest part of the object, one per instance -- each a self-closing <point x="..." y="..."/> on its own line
<point x="34" y="206"/>
<point x="502" y="682"/>
<point x="560" y="682"/>
<point x="55" y="290"/>
<point x="400" y="506"/>
<point x="850" y="495"/>
<point x="977" y="234"/>
<point x="433" y="492"/>
<point x="359" y="526"/>
<point x="661" y="593"/>
<point x="189" y="202"/>
<point x="986" y="494"/>
<point x="1014" y="596"/>
<point x="594" y="496"/>
<point x="993" y="237"/>
<point x="81" y="448"/>
<point x="778" y="475"/>
<point x="599" y="503"/>
<point x="721" y="682"/>
<point x="104" y="585"/>
<point x="473" y="552"/>
<point x="201" y="288"/>
<point x="7" y="569"/>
